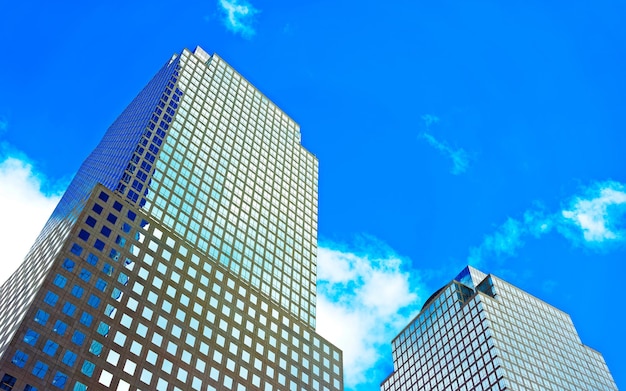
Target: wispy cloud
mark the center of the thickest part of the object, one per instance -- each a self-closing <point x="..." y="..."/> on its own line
<point x="595" y="219"/>
<point x="239" y="16"/>
<point x="460" y="158"/>
<point x="365" y="298"/>
<point x="25" y="205"/>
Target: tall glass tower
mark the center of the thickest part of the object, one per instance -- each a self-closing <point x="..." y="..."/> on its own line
<point x="183" y="254"/>
<point x="481" y="333"/>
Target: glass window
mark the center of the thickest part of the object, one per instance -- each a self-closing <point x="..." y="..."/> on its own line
<point x="51" y="298"/>
<point x="88" y="368"/>
<point x="50" y="348"/>
<point x="59" y="380"/>
<point x="69" y="309"/>
<point x="78" y="338"/>
<point x="103" y="329"/>
<point x="85" y="275"/>
<point x="93" y="301"/>
<point x="92" y="259"/>
<point x="101" y="285"/>
<point x="60" y="281"/>
<point x="19" y="359"/>
<point x="41" y="317"/>
<point x="31" y="337"/>
<point x="59" y="327"/>
<point x="77" y="291"/>
<point x="40" y="369"/>
<point x="69" y="358"/>
<point x="80" y="386"/>
<point x="95" y="348"/>
<point x="86" y="319"/>
<point x="68" y="264"/>
<point x="76" y="249"/>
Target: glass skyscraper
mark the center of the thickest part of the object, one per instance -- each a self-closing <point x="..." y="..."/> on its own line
<point x="479" y="332"/>
<point x="183" y="254"/>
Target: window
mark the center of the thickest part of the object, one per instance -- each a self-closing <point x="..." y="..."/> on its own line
<point x="69" y="358"/>
<point x="106" y="231"/>
<point x="31" y="337"/>
<point x="91" y="221"/>
<point x="80" y="386"/>
<point x="20" y="358"/>
<point x="59" y="327"/>
<point x="95" y="348"/>
<point x="84" y="235"/>
<point x="101" y="284"/>
<point x="60" y="281"/>
<point x="50" y="348"/>
<point x="93" y="301"/>
<point x="51" y="298"/>
<point x="78" y="338"/>
<point x="77" y="291"/>
<point x="40" y="369"/>
<point x="86" y="319"/>
<point x="85" y="275"/>
<point x="59" y="380"/>
<point x="8" y="382"/>
<point x="69" y="309"/>
<point x="92" y="259"/>
<point x="28" y="387"/>
<point x="41" y="317"/>
<point x="99" y="244"/>
<point x="76" y="249"/>
<point x="68" y="264"/>
<point x="103" y="329"/>
<point x="88" y="368"/>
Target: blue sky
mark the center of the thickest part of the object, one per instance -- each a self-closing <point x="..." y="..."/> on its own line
<point x="447" y="132"/>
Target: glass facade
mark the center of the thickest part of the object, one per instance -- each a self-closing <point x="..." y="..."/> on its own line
<point x="182" y="256"/>
<point x="481" y="333"/>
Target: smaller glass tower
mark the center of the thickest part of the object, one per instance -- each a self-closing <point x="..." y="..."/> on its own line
<point x="481" y="333"/>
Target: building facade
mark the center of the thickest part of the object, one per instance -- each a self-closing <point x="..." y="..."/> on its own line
<point x="183" y="254"/>
<point x="481" y="333"/>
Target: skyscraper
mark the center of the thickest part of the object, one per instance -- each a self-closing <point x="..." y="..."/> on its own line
<point x="182" y="255"/>
<point x="481" y="333"/>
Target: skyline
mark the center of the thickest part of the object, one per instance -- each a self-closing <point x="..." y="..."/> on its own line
<point x="519" y="167"/>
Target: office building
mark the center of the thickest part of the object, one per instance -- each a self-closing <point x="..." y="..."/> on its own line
<point x="481" y="333"/>
<point x="183" y="254"/>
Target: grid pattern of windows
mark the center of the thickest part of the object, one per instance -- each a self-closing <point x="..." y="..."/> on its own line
<point x="233" y="180"/>
<point x="481" y="333"/>
<point x="191" y="266"/>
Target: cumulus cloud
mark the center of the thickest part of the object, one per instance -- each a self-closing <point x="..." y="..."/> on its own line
<point x="460" y="158"/>
<point x="238" y="16"/>
<point x="598" y="215"/>
<point x="365" y="298"/>
<point x="595" y="219"/>
<point x="25" y="205"/>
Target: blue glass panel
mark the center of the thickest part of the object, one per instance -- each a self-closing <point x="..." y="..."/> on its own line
<point x="20" y="358"/>
<point x="78" y="338"/>
<point x="59" y="327"/>
<point x="50" y="348"/>
<point x="31" y="337"/>
<point x="40" y="369"/>
<point x="86" y="319"/>
<point x="76" y="249"/>
<point x="59" y="380"/>
<point x="41" y="317"/>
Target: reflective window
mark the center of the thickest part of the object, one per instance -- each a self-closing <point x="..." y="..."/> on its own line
<point x="31" y="337"/>
<point x="19" y="359"/>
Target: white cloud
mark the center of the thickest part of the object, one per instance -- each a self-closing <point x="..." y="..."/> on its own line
<point x="238" y="16"/>
<point x="365" y="298"/>
<point x="460" y="158"/>
<point x="600" y="216"/>
<point x="429" y="119"/>
<point x="24" y="209"/>
<point x="594" y="220"/>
